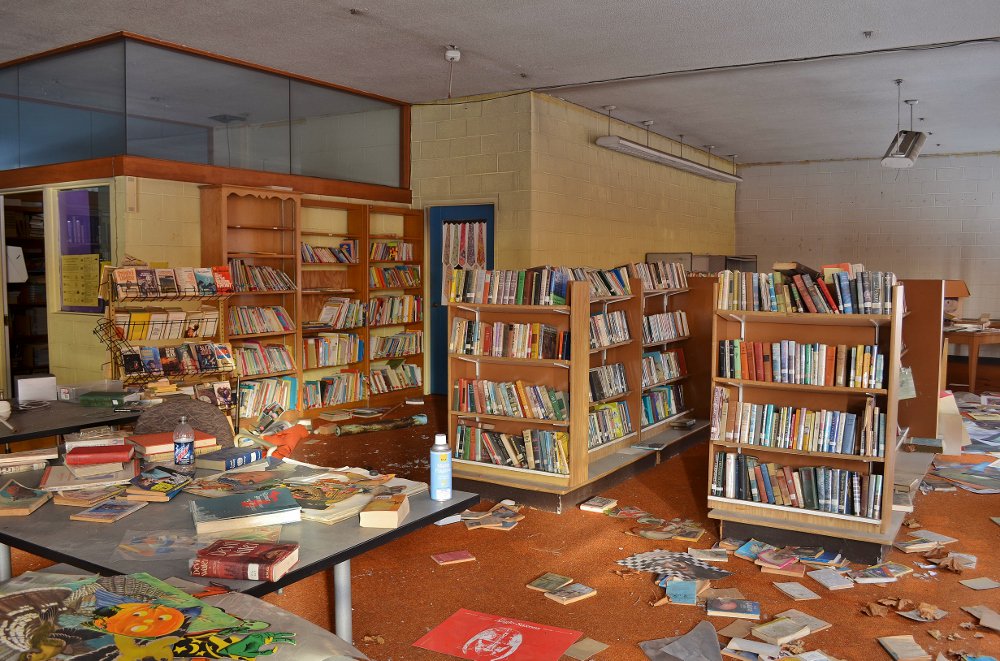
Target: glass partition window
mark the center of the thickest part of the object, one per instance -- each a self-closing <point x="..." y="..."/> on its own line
<point x="132" y="97"/>
<point x="84" y="244"/>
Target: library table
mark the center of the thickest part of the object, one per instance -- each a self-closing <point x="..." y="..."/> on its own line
<point x="974" y="340"/>
<point x="49" y="533"/>
<point x="61" y="418"/>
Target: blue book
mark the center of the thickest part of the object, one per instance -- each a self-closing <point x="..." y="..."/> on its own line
<point x="767" y="483"/>
<point x="844" y="284"/>
<point x="245" y="510"/>
<point x="848" y="445"/>
<point x="771" y="293"/>
<point x="682" y="592"/>
<point x="230" y="458"/>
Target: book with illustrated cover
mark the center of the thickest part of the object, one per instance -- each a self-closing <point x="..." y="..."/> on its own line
<point x="780" y="631"/>
<point x="598" y="504"/>
<point x="224" y="356"/>
<point x="148" y="286"/>
<point x="151" y="360"/>
<point x="108" y="511"/>
<point x="205" y="281"/>
<point x="132" y="362"/>
<point x="797" y="591"/>
<point x="158" y="484"/>
<point x="751" y="549"/>
<point x="548" y="582"/>
<point x="126" y="282"/>
<point x="59" y="478"/>
<point x="682" y="592"/>
<point x="166" y="281"/>
<point x="205" y="353"/>
<point x="709" y="555"/>
<point x="245" y="510"/>
<point x="168" y="361"/>
<point x="385" y="511"/>
<point x="87" y="497"/>
<point x="571" y="593"/>
<point x="187" y="285"/>
<point x="245" y="560"/>
<point x="831" y="579"/>
<point x="452" y="557"/>
<point x="223" y="393"/>
<point x="739" y="608"/>
<point x="223" y="279"/>
<point x="206" y="393"/>
<point x="19" y="500"/>
<point x="186" y="359"/>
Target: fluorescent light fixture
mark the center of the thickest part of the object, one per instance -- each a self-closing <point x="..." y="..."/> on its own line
<point x="623" y="146"/>
<point x="904" y="149"/>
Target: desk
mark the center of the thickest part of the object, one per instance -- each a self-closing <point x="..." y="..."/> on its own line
<point x="59" y="418"/>
<point x="973" y="340"/>
<point x="49" y="533"/>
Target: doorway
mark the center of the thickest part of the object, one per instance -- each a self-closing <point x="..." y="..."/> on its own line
<point x="26" y="343"/>
<point x="437" y="218"/>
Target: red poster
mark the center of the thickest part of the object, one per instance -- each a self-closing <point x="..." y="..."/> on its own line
<point x="481" y="637"/>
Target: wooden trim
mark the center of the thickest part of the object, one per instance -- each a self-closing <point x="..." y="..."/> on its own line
<point x="94" y="168"/>
<point x="62" y="49"/>
<point x="404" y="146"/>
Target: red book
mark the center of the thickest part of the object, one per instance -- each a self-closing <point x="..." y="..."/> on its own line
<point x="827" y="295"/>
<point x="100" y="454"/>
<point x="831" y="365"/>
<point x="223" y="279"/>
<point x="790" y="483"/>
<point x="164" y="441"/>
<point x="800" y="285"/>
<point x="758" y="358"/>
<point x="768" y="371"/>
<point x="245" y="560"/>
<point x="744" y="368"/>
<point x="751" y="374"/>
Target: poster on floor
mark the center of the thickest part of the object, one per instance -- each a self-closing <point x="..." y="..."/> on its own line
<point x="482" y="637"/>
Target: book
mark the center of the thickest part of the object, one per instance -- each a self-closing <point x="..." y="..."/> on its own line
<point x="452" y="557"/>
<point x="780" y="631"/>
<point x="738" y="608"/>
<point x="245" y="560"/>
<point x="831" y="579"/>
<point x="245" y="510"/>
<point x="571" y="593"/>
<point x="206" y="281"/>
<point x="19" y="500"/>
<point x="166" y="281"/>
<point x="161" y="442"/>
<point x="230" y="458"/>
<point x="158" y="484"/>
<point x="59" y="478"/>
<point x="796" y="569"/>
<point x="682" y="592"/>
<point x="751" y="549"/>
<point x="797" y="591"/>
<point x="385" y="511"/>
<point x="109" y="511"/>
<point x="904" y="648"/>
<point x="99" y="454"/>
<point x="548" y="582"/>
<point x="85" y="471"/>
<point x="598" y="504"/>
<point x="709" y="555"/>
<point x="86" y="497"/>
<point x="126" y="282"/>
<point x="776" y="557"/>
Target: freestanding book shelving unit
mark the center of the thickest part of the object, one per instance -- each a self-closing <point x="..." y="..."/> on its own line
<point x="860" y="538"/>
<point x="591" y="467"/>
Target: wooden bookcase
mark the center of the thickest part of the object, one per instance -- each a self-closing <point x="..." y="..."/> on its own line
<point x="268" y="227"/>
<point x="850" y="329"/>
<point x="588" y="466"/>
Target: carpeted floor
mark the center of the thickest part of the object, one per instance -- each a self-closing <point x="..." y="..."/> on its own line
<point x="400" y="593"/>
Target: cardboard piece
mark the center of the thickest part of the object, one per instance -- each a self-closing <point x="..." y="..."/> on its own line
<point x="950" y="426"/>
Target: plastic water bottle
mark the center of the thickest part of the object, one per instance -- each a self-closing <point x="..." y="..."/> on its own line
<point x="184" y="446"/>
<point x="440" y="468"/>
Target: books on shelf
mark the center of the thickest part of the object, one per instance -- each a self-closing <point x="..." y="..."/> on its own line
<point x="805" y="363"/>
<point x="658" y="366"/>
<point x="143" y="282"/>
<point x="390" y="250"/>
<point x="861" y="433"/>
<point x="664" y="327"/>
<point x="502" y="340"/>
<point x="660" y="403"/>
<point x="659" y="276"/>
<point x="255" y="358"/>
<point x="166" y="323"/>
<point x="607" y="328"/>
<point x="542" y="285"/>
<point x="608" y="283"/>
<point x="838" y="292"/>
<point x="397" y="345"/>
<point x="608" y="422"/>
<point x="607" y="381"/>
<point x="512" y="399"/>
<point x="389" y="277"/>
<point x="251" y="319"/>
<point x="256" y="395"/>
<point x="248" y="277"/>
<point x="183" y="359"/>
<point x="740" y="476"/>
<point x="339" y="312"/>
<point x="332" y="350"/>
<point x="345" y="252"/>
<point x="341" y="388"/>
<point x="389" y="378"/>
<point x="534" y="449"/>
<point x="391" y="310"/>
<point x="245" y="560"/>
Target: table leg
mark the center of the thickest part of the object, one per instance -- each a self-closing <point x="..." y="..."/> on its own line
<point x="4" y="562"/>
<point x="973" y="363"/>
<point x="342" y="601"/>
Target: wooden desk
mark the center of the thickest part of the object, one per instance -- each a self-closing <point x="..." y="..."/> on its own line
<point x="60" y="418"/>
<point x="973" y="340"/>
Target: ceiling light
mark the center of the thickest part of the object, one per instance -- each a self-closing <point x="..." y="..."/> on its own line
<point x="623" y="146"/>
<point x="905" y="145"/>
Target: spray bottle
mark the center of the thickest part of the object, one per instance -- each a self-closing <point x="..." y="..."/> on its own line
<point x="440" y="468"/>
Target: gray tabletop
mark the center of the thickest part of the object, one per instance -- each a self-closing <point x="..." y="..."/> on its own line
<point x="60" y="418"/>
<point x="49" y="533"/>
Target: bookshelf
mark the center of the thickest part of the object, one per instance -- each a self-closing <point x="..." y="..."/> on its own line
<point x="590" y="461"/>
<point x="785" y="446"/>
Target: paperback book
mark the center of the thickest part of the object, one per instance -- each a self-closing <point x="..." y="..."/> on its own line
<point x="571" y="593"/>
<point x="109" y="511"/>
<point x="19" y="500"/>
<point x="245" y="510"/>
<point x="738" y="608"/>
<point x="548" y="582"/>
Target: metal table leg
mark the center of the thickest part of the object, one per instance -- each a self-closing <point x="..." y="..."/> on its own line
<point x="341" y="600"/>
<point x="4" y="562"/>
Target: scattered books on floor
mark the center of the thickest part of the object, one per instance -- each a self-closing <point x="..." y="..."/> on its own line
<point x="598" y="504"/>
<point x="797" y="591"/>
<point x="738" y="608"/>
<point x="571" y="593"/>
<point x="548" y="582"/>
<point x="245" y="560"/>
<point x="904" y="648"/>
<point x="779" y="631"/>
<point x="831" y="579"/>
<point x="452" y="557"/>
<point x="502" y="516"/>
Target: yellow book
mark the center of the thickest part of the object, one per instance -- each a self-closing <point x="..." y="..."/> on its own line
<point x="385" y="512"/>
<point x="138" y="325"/>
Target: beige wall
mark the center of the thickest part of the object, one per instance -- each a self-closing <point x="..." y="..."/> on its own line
<point x="561" y="199"/>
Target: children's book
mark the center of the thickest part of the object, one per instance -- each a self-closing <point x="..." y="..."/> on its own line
<point x="19" y="500"/>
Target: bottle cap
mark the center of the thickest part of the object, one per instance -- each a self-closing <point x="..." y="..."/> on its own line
<point x="184" y="419"/>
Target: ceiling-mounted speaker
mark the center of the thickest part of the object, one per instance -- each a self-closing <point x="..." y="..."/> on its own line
<point x="904" y="149"/>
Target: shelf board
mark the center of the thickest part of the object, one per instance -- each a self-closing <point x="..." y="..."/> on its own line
<point x="611" y="346"/>
<point x="394" y="261"/>
<point x="796" y="510"/>
<point x="660" y="343"/>
<point x="389" y="392"/>
<point x="666" y="382"/>
<point x="269" y="375"/>
<point x="393" y="237"/>
<point x="769" y="385"/>
<point x="396" y="323"/>
<point x="535" y="362"/>
<point x="316" y="330"/>
<point x="664" y="292"/>
<point x="513" y="469"/>
<point x="513" y="309"/>
<point x="328" y="367"/>
<point x="607" y="300"/>
<point x="329" y="264"/>
<point x="260" y="255"/>
<point x="806" y="318"/>
<point x="405" y="355"/>
<point x="276" y="292"/>
<point x="250" y="336"/>
<point x="660" y="423"/>
<point x="614" y="441"/>
<point x="621" y="395"/>
<point x="269" y="228"/>
<point x="802" y="453"/>
<point x="327" y="292"/>
<point x="339" y="235"/>
<point x="414" y="288"/>
<point x="510" y="418"/>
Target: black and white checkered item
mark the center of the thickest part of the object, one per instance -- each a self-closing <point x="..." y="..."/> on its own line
<point x="674" y="565"/>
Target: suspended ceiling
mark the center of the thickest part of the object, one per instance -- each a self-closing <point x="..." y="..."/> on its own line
<point x="834" y="107"/>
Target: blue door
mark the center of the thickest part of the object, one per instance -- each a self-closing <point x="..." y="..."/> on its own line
<point x="436" y="218"/>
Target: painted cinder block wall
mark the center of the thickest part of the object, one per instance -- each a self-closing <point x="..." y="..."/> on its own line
<point x="560" y="199"/>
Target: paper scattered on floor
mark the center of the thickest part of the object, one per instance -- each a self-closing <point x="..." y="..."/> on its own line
<point x="699" y="644"/>
<point x="585" y="649"/>
<point x="981" y="583"/>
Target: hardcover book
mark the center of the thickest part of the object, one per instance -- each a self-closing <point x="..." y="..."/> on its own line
<point x="245" y="560"/>
<point x="161" y="442"/>
<point x="230" y="458"/>
<point x="245" y="510"/>
<point x="548" y="582"/>
<point x="109" y="511"/>
<point x="99" y="454"/>
<point x="571" y="593"/>
<point x="19" y="500"/>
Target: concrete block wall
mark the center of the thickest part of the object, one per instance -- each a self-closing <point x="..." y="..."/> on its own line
<point x="939" y="219"/>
